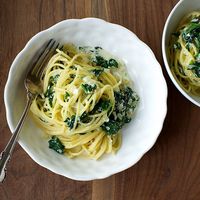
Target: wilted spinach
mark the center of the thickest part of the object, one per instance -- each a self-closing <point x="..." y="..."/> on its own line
<point x="56" y="145"/>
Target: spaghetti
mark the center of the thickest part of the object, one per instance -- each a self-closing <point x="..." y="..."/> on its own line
<point x="184" y="53"/>
<point x="85" y="102"/>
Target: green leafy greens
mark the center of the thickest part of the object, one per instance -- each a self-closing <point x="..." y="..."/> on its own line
<point x="56" y="145"/>
<point x="125" y="103"/>
<point x="97" y="72"/>
<point x="70" y="121"/>
<point x="66" y="96"/>
<point x="191" y="35"/>
<point x="50" y="92"/>
<point x="85" y="118"/>
<point x="100" y="61"/>
<point x="191" y="31"/>
<point x="111" y="127"/>
<point x="102" y="105"/>
<point x="88" y="88"/>
<point x="195" y="67"/>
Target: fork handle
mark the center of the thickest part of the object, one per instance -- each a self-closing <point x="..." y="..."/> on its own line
<point x="7" y="152"/>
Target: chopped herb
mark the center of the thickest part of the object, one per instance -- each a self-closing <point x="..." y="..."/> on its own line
<point x="88" y="88"/>
<point x="197" y="42"/>
<point x="97" y="47"/>
<point x="111" y="127"/>
<point x="45" y="110"/>
<point x="102" y="105"/>
<point x="54" y="79"/>
<point x="81" y="48"/>
<point x="191" y="32"/>
<point x="60" y="62"/>
<point x="113" y="63"/>
<point x="195" y="67"/>
<point x="84" y="118"/>
<point x="70" y="121"/>
<point x="100" y="61"/>
<point x="42" y="120"/>
<point x="56" y="145"/>
<point x="49" y="94"/>
<point x="73" y="67"/>
<point x="125" y="99"/>
<point x="66" y="96"/>
<point x="72" y="75"/>
<point x="125" y="103"/>
<point x="198" y="57"/>
<point x="97" y="72"/>
<point x="177" y="45"/>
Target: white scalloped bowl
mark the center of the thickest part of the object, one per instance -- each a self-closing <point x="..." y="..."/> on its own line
<point x="138" y="136"/>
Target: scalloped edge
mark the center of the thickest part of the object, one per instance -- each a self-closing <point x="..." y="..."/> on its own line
<point x="105" y="175"/>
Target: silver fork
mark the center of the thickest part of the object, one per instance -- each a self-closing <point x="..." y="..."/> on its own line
<point x="33" y="85"/>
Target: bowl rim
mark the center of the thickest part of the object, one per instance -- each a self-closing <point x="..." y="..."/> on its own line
<point x="164" y="54"/>
<point x="146" y="148"/>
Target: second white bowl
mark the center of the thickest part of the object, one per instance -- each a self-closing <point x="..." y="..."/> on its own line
<point x="181" y="9"/>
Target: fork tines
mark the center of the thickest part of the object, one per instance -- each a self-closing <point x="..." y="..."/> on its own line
<point x="47" y="52"/>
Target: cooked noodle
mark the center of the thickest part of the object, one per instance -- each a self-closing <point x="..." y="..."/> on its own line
<point x="78" y="98"/>
<point x="184" y="53"/>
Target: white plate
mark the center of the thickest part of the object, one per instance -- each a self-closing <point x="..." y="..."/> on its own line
<point x="138" y="136"/>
